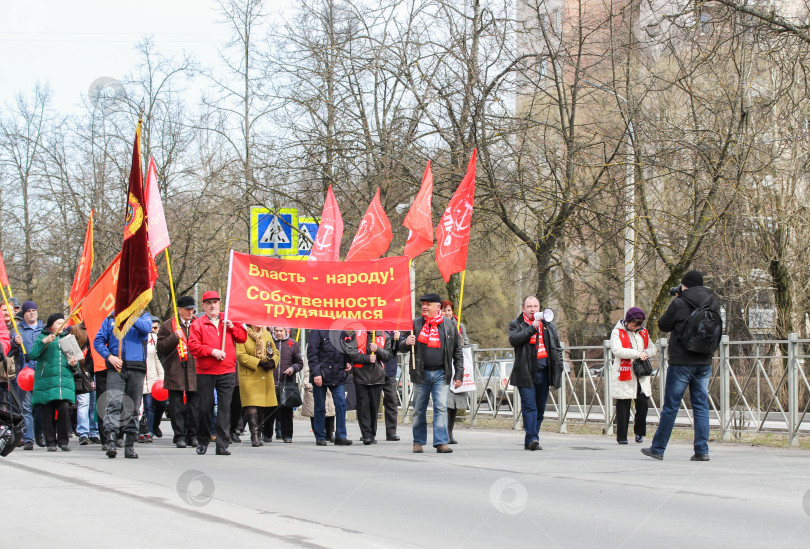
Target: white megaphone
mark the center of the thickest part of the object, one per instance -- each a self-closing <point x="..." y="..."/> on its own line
<point x="547" y="315"/>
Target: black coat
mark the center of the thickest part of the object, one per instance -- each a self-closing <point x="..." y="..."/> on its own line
<point x="326" y="359"/>
<point x="453" y="354"/>
<point x="674" y="319"/>
<point x="368" y="373"/>
<point x="525" y="368"/>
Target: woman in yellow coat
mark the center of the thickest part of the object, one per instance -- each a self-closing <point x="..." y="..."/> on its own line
<point x="257" y="356"/>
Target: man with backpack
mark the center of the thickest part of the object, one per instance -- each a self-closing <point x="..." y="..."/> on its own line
<point x="693" y="318"/>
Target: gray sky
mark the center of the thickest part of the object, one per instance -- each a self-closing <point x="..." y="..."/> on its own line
<point x="70" y="44"/>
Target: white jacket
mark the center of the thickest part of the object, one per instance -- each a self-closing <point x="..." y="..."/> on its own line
<point x="627" y="389"/>
<point x="154" y="369"/>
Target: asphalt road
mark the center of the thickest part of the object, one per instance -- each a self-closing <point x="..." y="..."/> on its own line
<point x="579" y="491"/>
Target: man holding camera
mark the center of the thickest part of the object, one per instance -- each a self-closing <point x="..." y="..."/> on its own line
<point x="686" y="368"/>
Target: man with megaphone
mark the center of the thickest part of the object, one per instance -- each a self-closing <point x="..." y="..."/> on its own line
<point x="538" y="365"/>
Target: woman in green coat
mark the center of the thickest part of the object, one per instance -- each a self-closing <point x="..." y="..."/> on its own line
<point x="54" y="388"/>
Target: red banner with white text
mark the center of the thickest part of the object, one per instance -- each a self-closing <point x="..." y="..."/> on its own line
<point x="322" y="295"/>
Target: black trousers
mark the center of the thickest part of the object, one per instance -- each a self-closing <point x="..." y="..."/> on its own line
<point x="223" y="384"/>
<point x="101" y="411"/>
<point x="236" y="410"/>
<point x="284" y="417"/>
<point x="57" y="431"/>
<point x="623" y="416"/>
<point x="368" y="403"/>
<point x="183" y="415"/>
<point x="124" y="395"/>
<point x="390" y="403"/>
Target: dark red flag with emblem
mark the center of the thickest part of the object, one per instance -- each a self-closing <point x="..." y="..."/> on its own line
<point x="453" y="231"/>
<point x="138" y="269"/>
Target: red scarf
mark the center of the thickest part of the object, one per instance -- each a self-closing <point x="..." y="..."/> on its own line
<point x="541" y="345"/>
<point x="362" y="341"/>
<point x="430" y="331"/>
<point x="626" y="365"/>
<point x="182" y="346"/>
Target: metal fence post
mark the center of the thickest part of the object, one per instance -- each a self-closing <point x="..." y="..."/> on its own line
<point x="793" y="389"/>
<point x="606" y="377"/>
<point x="474" y="400"/>
<point x="725" y="412"/>
<point x="662" y="370"/>
<point x="562" y="397"/>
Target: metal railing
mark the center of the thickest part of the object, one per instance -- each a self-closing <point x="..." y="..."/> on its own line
<point x="755" y="386"/>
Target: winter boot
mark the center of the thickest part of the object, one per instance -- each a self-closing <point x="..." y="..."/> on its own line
<point x="253" y="425"/>
<point x="112" y="451"/>
<point x="129" y="446"/>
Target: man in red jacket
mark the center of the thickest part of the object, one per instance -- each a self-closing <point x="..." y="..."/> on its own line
<point x="216" y="371"/>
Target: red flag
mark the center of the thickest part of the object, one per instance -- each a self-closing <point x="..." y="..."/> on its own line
<point x="155" y="218"/>
<point x="138" y="269"/>
<point x="373" y="235"/>
<point x="453" y="231"/>
<point x="81" y="282"/>
<point x="98" y="304"/>
<point x="330" y="231"/>
<point x="3" y="274"/>
<point x="420" y="218"/>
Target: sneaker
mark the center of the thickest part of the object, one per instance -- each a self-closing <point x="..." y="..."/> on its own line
<point x="622" y="441"/>
<point x="64" y="447"/>
<point x="95" y="440"/>
<point x="639" y="438"/>
<point x="141" y="439"/>
<point x="28" y="445"/>
<point x="84" y="441"/>
<point x="699" y="457"/>
<point x="147" y="438"/>
<point x="649" y="453"/>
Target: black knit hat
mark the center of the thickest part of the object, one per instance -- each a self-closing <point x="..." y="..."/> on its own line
<point x="53" y="318"/>
<point x="692" y="279"/>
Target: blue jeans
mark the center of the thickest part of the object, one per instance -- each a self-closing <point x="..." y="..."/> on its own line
<point x="339" y="398"/>
<point x="86" y="424"/>
<point x="533" y="405"/>
<point x="153" y="408"/>
<point x="32" y="418"/>
<point x="678" y="379"/>
<point x="434" y="385"/>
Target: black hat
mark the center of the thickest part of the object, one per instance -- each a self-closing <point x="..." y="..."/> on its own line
<point x="431" y="298"/>
<point x="53" y="318"/>
<point x="186" y="302"/>
<point x="692" y="279"/>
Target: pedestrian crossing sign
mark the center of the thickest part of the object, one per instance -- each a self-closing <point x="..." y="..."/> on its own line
<point x="271" y="231"/>
<point x="307" y="232"/>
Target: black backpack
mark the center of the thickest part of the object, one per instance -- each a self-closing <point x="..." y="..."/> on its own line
<point x="703" y="329"/>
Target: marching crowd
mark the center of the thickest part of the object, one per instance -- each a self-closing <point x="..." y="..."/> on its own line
<point x="215" y="378"/>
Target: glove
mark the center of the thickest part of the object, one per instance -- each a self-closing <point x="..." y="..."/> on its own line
<point x="265" y="365"/>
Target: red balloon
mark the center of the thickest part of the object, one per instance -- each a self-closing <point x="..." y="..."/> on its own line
<point x="25" y="379"/>
<point x="158" y="392"/>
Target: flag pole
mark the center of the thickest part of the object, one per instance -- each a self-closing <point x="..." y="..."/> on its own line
<point x="171" y="285"/>
<point x="227" y="302"/>
<point x="11" y="314"/>
<point x="460" y="299"/>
